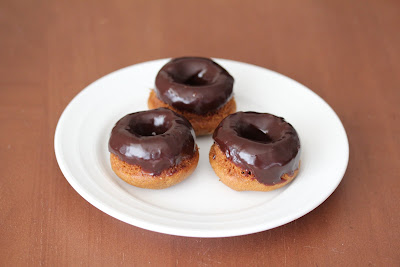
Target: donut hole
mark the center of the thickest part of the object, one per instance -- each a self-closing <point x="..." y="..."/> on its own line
<point x="251" y="132"/>
<point x="199" y="72"/>
<point x="195" y="78"/>
<point x="147" y="129"/>
<point x="156" y="126"/>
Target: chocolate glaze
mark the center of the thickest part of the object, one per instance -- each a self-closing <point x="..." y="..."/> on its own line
<point x="194" y="84"/>
<point x="259" y="143"/>
<point x="155" y="140"/>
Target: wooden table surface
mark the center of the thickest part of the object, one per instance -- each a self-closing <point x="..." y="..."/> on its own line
<point x="348" y="52"/>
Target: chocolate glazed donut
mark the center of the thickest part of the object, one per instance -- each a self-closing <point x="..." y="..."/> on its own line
<point x="153" y="149"/>
<point x="194" y="84"/>
<point x="197" y="88"/>
<point x="261" y="146"/>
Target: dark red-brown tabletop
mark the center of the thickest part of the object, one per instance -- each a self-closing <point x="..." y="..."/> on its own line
<point x="348" y="52"/>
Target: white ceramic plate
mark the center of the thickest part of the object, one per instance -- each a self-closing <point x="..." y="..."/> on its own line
<point x="200" y="206"/>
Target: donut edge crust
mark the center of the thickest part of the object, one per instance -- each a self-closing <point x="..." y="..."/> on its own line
<point x="202" y="124"/>
<point x="134" y="175"/>
<point x="232" y="176"/>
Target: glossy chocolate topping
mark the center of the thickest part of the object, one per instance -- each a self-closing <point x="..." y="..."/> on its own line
<point x="155" y="140"/>
<point x="260" y="143"/>
<point x="194" y="84"/>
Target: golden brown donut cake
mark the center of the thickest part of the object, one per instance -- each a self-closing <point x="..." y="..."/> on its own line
<point x="255" y="152"/>
<point x="153" y="149"/>
<point x="134" y="174"/>
<point x="239" y="179"/>
<point x="198" y="88"/>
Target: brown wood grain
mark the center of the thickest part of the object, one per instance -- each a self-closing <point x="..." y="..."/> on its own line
<point x="348" y="52"/>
